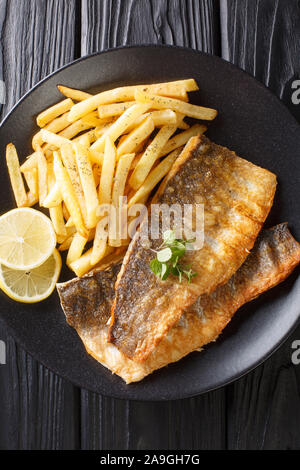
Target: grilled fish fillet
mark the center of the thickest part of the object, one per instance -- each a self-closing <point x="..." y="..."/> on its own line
<point x="275" y="255"/>
<point x="237" y="197"/>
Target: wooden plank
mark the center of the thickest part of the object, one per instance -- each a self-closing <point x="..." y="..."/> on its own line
<point x="112" y="23"/>
<point x="107" y="423"/>
<point x="36" y="406"/>
<point x="262" y="37"/>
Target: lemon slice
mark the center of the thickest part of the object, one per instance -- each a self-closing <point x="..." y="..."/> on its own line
<point x="27" y="238"/>
<point x="32" y="285"/>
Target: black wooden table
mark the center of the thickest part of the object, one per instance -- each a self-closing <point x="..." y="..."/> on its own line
<point x="39" y="410"/>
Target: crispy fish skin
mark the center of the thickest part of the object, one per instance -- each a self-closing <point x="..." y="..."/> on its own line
<point x="275" y="254"/>
<point x="237" y="197"/>
<point x="87" y="301"/>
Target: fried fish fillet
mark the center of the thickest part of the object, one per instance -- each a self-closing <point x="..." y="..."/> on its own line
<point x="237" y="196"/>
<point x="275" y="254"/>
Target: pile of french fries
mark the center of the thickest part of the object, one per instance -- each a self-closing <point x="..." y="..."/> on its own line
<point x="95" y="149"/>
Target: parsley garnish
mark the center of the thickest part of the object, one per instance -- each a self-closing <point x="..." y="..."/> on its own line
<point x="168" y="255"/>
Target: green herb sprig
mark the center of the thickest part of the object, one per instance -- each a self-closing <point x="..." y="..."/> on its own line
<point x="168" y="256"/>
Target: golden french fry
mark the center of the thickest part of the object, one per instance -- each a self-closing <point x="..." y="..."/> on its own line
<point x="180" y="121"/>
<point x="76" y="248"/>
<point x="100" y="242"/>
<point x="84" y="141"/>
<point x="87" y="183"/>
<point x="107" y="174"/>
<point x="119" y="126"/>
<point x="182" y="138"/>
<point x="191" y="110"/>
<point x="51" y="113"/>
<point x="68" y="194"/>
<point x="65" y="212"/>
<point x="122" y="171"/>
<point x="70" y="222"/>
<point x="83" y="264"/>
<point x="97" y="174"/>
<point x="42" y="176"/>
<point x="32" y="199"/>
<point x="16" y="180"/>
<point x="163" y="117"/>
<point x="53" y="139"/>
<point x="150" y="155"/>
<point x="154" y="177"/>
<point x="76" y="95"/>
<point x="114" y="109"/>
<point x="69" y="161"/>
<point x="175" y="89"/>
<point x="31" y="178"/>
<point x="30" y="162"/>
<point x="133" y="140"/>
<point x="65" y="245"/>
<point x="70" y="231"/>
<point x="116" y="229"/>
<point x="93" y="120"/>
<point x="54" y="197"/>
<point x="74" y="129"/>
<point x="56" y="215"/>
<point x="55" y="126"/>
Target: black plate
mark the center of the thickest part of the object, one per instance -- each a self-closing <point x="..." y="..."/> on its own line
<point x="252" y="122"/>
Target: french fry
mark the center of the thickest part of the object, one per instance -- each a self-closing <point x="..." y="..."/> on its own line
<point x="76" y="95"/>
<point x="65" y="212"/>
<point x="65" y="245"/>
<point x="93" y="120"/>
<point x="42" y="176"/>
<point x="120" y="125"/>
<point x="150" y="155"/>
<point x="163" y="117"/>
<point x="182" y="138"/>
<point x="175" y="89"/>
<point x="68" y="194"/>
<point x="55" y="126"/>
<point x="15" y="175"/>
<point x="30" y="162"/>
<point x="69" y="161"/>
<point x="76" y="248"/>
<point x="97" y="174"/>
<point x="83" y="264"/>
<point x="32" y="199"/>
<point x="116" y="229"/>
<point x="107" y="174"/>
<point x="161" y="102"/>
<point x="114" y="109"/>
<point x="70" y="231"/>
<point x="133" y="140"/>
<point x="54" y="197"/>
<point x="51" y="113"/>
<point x="56" y="215"/>
<point x="122" y="171"/>
<point x="87" y="183"/>
<point x="74" y="129"/>
<point x="53" y="139"/>
<point x="100" y="242"/>
<point x="154" y="177"/>
<point x="84" y="141"/>
<point x="31" y="178"/>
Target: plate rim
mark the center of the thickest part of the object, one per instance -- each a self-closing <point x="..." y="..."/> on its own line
<point x="235" y="376"/>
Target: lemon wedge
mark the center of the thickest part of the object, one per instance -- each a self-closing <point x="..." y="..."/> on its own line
<point x="27" y="238"/>
<point x="33" y="285"/>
